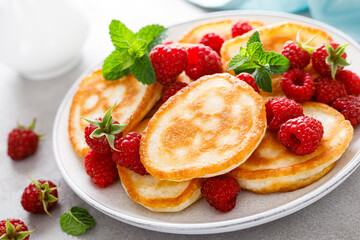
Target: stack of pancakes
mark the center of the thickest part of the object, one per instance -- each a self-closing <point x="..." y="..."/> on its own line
<point x="216" y="125"/>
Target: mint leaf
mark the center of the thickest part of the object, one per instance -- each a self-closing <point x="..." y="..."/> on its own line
<point x="116" y="65"/>
<point x="278" y="63"/>
<point x="262" y="78"/>
<point x="256" y="51"/>
<point x="138" y="48"/>
<point x="253" y="39"/>
<point x="121" y="36"/>
<point x="143" y="70"/>
<point x="150" y="32"/>
<point x="76" y="221"/>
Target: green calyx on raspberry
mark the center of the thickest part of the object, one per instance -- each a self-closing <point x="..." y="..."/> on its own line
<point x="106" y="127"/>
<point x="30" y="127"/>
<point x="13" y="233"/>
<point x="334" y="58"/>
<point x="306" y="44"/>
<point x="45" y="196"/>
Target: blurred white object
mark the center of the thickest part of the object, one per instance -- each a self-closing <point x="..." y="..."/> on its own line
<point x="41" y="38"/>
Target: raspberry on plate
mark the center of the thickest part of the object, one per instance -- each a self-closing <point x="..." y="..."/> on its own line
<point x="40" y="196"/>
<point x="128" y="155"/>
<point x="328" y="90"/>
<point x="298" y="57"/>
<point x="14" y="229"/>
<point x="202" y="60"/>
<point x="221" y="192"/>
<point x="298" y="85"/>
<point x="171" y="90"/>
<point x="213" y="40"/>
<point x="100" y="168"/>
<point x="301" y="135"/>
<point x="281" y="109"/>
<point x="168" y="62"/>
<point x="249" y="79"/>
<point x="328" y="66"/>
<point x="22" y="142"/>
<point x="102" y="132"/>
<point x="350" y="107"/>
<point x="350" y="80"/>
<point x="239" y="28"/>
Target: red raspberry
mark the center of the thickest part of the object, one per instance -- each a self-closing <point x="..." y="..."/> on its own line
<point x="202" y="60"/>
<point x="168" y="62"/>
<point x="220" y="192"/>
<point x="213" y="40"/>
<point x="281" y="109"/>
<point x="298" y="57"/>
<point x="129" y="156"/>
<point x="40" y="196"/>
<point x="319" y="59"/>
<point x="350" y="107"/>
<point x="328" y="90"/>
<point x="20" y="229"/>
<point x="100" y="168"/>
<point x="239" y="28"/>
<point x="249" y="79"/>
<point x="22" y="142"/>
<point x="350" y="80"/>
<point x="298" y="85"/>
<point x="301" y="135"/>
<point x="171" y="90"/>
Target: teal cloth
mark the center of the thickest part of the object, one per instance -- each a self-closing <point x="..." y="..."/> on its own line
<point x="342" y="14"/>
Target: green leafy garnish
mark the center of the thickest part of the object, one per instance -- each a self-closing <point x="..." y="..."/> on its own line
<point x="131" y="54"/>
<point x="261" y="64"/>
<point x="76" y="221"/>
<point x="334" y="59"/>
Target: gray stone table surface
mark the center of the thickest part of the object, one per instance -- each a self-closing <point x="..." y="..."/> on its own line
<point x="336" y="216"/>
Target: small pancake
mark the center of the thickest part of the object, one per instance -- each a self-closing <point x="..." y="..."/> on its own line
<point x="158" y="195"/>
<point x="273" y="38"/>
<point x="95" y="96"/>
<point x="222" y="28"/>
<point x="273" y="168"/>
<point x="206" y="129"/>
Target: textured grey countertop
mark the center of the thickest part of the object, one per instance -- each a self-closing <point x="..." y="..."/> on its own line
<point x="336" y="216"/>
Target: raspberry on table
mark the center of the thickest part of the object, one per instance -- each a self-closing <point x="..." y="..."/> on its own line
<point x="171" y="90"/>
<point x="301" y="135"/>
<point x="328" y="90"/>
<point x="202" y="60"/>
<point x="239" y="28"/>
<point x="213" y="40"/>
<point x="350" y="107"/>
<point x="22" y="142"/>
<point x="221" y="192"/>
<point x="350" y="80"/>
<point x="168" y="62"/>
<point x="281" y="109"/>
<point x="249" y="79"/>
<point x="298" y="85"/>
<point x="319" y="59"/>
<point x="128" y="155"/>
<point x="16" y="229"/>
<point x="100" y="168"/>
<point x="40" y="196"/>
<point x="298" y="57"/>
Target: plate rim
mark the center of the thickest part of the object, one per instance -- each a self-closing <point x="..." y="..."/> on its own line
<point x="227" y="225"/>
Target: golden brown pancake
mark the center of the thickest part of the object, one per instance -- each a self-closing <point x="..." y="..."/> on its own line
<point x="95" y="96"/>
<point x="206" y="129"/>
<point x="273" y="168"/>
<point x="158" y="195"/>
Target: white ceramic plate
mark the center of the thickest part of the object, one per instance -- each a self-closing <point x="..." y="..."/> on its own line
<point x="251" y="210"/>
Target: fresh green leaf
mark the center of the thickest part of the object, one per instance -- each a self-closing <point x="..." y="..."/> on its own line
<point x="138" y="48"/>
<point x="255" y="51"/>
<point x="237" y="61"/>
<point x="150" y="32"/>
<point x="76" y="221"/>
<point x="121" y="36"/>
<point x="278" y="63"/>
<point x="157" y="40"/>
<point x="116" y="65"/>
<point x="248" y="67"/>
<point x="143" y="70"/>
<point x="262" y="78"/>
<point x="254" y="38"/>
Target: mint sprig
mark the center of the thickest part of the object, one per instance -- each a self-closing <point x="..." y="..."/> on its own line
<point x="131" y="54"/>
<point x="76" y="221"/>
<point x="261" y="64"/>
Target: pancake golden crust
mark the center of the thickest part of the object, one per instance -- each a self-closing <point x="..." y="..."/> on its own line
<point x="95" y="96"/>
<point x="208" y="128"/>
<point x="223" y="28"/>
<point x="273" y="168"/>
